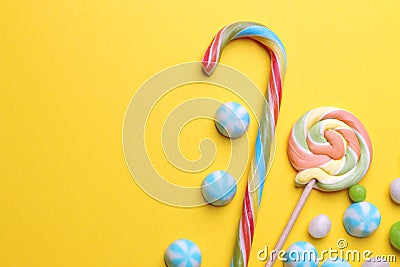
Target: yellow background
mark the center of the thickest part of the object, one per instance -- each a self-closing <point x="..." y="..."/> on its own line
<point x="68" y="70"/>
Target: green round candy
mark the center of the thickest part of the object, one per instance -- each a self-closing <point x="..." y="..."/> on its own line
<point x="395" y="235"/>
<point x="357" y="193"/>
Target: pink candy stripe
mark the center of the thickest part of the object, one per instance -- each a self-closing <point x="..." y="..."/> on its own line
<point x="247" y="224"/>
<point x="211" y="56"/>
<point x="352" y="140"/>
<point x="336" y="149"/>
<point x="304" y="159"/>
<point x="353" y="122"/>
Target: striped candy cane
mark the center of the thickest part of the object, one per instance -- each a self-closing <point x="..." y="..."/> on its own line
<point x="260" y="160"/>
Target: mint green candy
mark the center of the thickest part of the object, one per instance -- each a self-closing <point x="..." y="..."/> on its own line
<point x="394" y="234"/>
<point x="357" y="193"/>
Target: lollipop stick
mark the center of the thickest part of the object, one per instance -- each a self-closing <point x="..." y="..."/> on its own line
<point x="306" y="193"/>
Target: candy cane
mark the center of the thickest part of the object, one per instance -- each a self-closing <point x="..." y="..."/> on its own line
<point x="260" y="160"/>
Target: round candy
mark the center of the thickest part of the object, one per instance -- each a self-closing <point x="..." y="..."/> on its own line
<point x="232" y="119"/>
<point x="320" y="226"/>
<point x="361" y="219"/>
<point x="182" y="253"/>
<point x="338" y="262"/>
<point x="357" y="193"/>
<point x="395" y="190"/>
<point x="218" y="188"/>
<point x="373" y="262"/>
<point x="394" y="234"/>
<point x="301" y="254"/>
<point x="332" y="146"/>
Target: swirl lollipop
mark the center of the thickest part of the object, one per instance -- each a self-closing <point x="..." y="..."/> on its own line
<point x="332" y="151"/>
<point x="261" y="159"/>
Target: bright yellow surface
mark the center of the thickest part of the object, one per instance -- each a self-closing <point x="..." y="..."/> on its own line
<point x="68" y="70"/>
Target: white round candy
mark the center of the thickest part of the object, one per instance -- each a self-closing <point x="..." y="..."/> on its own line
<point x="395" y="190"/>
<point x="375" y="263"/>
<point x="320" y="226"/>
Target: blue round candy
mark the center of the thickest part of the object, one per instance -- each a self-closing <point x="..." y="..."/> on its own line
<point x="232" y="119"/>
<point x="182" y="253"/>
<point x="338" y="262"/>
<point x="301" y="254"/>
<point x="361" y="219"/>
<point x="218" y="188"/>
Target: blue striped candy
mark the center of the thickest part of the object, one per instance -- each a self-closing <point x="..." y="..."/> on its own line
<point x="301" y="254"/>
<point x="182" y="253"/>
<point x="232" y="119"/>
<point x="361" y="219"/>
<point x="218" y="188"/>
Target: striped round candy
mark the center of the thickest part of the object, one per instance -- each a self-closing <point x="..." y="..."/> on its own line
<point x="218" y="188"/>
<point x="338" y="262"/>
<point x="232" y="119"/>
<point x="182" y="253"/>
<point x="361" y="219"/>
<point x="301" y="254"/>
<point x="331" y="145"/>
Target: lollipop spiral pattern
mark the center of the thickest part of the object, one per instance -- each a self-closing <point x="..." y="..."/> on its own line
<point x="260" y="161"/>
<point x="332" y="146"/>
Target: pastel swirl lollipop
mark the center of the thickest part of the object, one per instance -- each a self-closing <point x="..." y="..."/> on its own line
<point x="332" y="151"/>
<point x="330" y="145"/>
